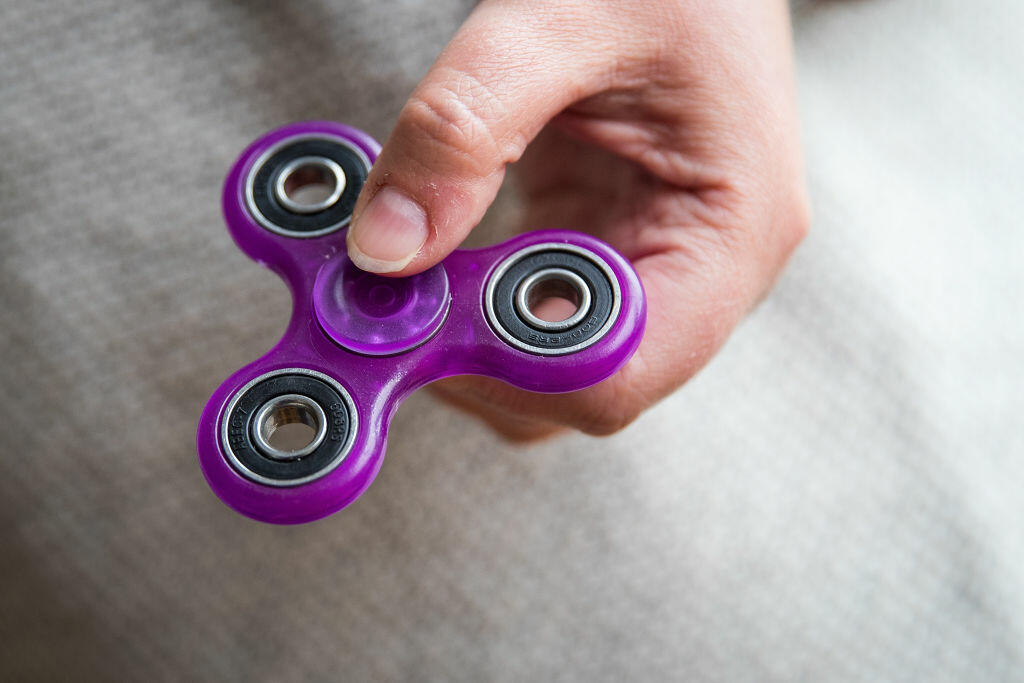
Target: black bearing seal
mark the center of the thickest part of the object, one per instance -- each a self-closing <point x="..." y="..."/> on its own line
<point x="513" y="328"/>
<point x="238" y="425"/>
<point x="268" y="212"/>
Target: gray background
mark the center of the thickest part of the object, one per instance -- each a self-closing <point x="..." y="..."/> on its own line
<point x="837" y="497"/>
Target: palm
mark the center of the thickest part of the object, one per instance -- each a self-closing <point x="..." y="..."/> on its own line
<point x="570" y="184"/>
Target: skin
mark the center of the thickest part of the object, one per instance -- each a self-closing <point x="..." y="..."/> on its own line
<point x="666" y="128"/>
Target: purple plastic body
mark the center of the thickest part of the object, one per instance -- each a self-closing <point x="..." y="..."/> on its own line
<point x="383" y="338"/>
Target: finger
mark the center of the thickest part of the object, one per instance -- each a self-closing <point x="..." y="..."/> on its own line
<point x="508" y="70"/>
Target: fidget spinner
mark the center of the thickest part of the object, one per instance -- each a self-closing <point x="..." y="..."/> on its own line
<point x="300" y="433"/>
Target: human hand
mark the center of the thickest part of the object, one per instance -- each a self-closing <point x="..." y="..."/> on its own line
<point x="666" y="128"/>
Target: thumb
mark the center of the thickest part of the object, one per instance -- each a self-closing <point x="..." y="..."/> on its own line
<point x="504" y="75"/>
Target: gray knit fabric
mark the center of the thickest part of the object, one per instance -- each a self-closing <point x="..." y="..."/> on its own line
<point x="836" y="498"/>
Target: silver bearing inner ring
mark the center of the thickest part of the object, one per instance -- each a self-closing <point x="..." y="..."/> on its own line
<point x="554" y="283"/>
<point x="287" y="410"/>
<point x="305" y="172"/>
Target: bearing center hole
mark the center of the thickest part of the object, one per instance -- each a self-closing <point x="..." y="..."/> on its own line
<point x="553" y="299"/>
<point x="310" y="184"/>
<point x="290" y="426"/>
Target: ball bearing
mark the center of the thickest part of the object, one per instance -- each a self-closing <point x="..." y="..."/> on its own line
<point x="292" y="396"/>
<point x="274" y="185"/>
<point x="560" y="271"/>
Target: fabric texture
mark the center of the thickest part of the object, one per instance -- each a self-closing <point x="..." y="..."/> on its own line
<point x="835" y="498"/>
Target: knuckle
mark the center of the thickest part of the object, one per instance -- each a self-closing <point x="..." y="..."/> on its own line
<point x="607" y="420"/>
<point x="447" y="116"/>
<point x="799" y="223"/>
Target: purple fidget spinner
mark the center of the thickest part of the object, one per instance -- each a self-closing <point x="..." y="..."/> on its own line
<point x="300" y="433"/>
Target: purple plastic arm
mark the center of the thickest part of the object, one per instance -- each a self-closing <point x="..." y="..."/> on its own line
<point x="382" y="338"/>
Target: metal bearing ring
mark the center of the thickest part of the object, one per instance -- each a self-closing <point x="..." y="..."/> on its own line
<point x="552" y="269"/>
<point x="275" y="181"/>
<point x="294" y="395"/>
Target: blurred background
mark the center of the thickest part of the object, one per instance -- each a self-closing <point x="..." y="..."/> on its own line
<point x="836" y="497"/>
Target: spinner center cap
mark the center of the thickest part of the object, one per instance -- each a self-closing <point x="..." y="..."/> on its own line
<point x="375" y="315"/>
